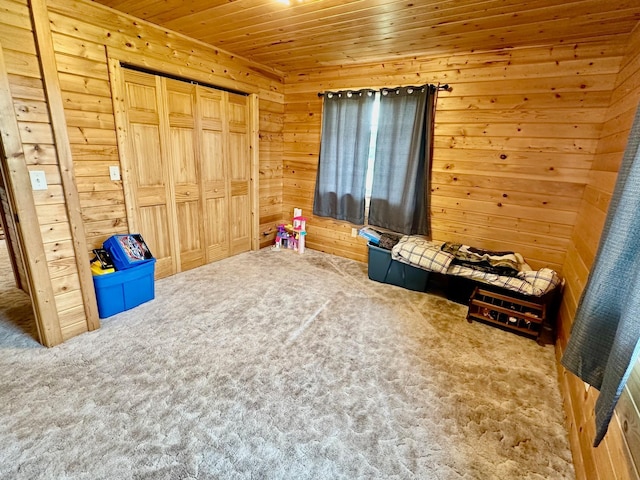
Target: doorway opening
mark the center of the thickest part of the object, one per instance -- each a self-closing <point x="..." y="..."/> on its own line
<point x="18" y="326"/>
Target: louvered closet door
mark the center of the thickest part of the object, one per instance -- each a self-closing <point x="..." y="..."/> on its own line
<point x="238" y="154"/>
<point x="149" y="169"/>
<point x="184" y="152"/>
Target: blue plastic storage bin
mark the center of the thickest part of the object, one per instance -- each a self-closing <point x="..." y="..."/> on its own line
<point x="124" y="289"/>
<point x="383" y="268"/>
<point x="127" y="250"/>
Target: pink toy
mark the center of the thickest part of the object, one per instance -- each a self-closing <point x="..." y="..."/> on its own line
<point x="292" y="236"/>
<point x="301" y="242"/>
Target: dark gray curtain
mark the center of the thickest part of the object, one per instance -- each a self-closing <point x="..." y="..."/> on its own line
<point x="403" y="160"/>
<point x="603" y="346"/>
<point x="344" y="149"/>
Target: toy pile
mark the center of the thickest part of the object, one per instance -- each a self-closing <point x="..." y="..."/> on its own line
<point x="292" y="236"/>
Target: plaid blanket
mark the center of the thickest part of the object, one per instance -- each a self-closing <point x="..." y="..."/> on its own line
<point x="423" y="253"/>
<point x="420" y="252"/>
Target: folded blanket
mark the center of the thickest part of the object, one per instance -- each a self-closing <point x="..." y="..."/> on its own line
<point x="500" y="263"/>
<point x="389" y="240"/>
<point x="532" y="282"/>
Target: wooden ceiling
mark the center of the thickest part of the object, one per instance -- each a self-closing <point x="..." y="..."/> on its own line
<point x="314" y="33"/>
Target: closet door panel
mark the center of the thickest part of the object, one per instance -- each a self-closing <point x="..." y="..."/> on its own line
<point x="214" y="172"/>
<point x="238" y="152"/>
<point x="180" y="101"/>
<point x="146" y="150"/>
<point x="185" y="168"/>
<point x="141" y="92"/>
<point x="183" y="156"/>
<point x="189" y="214"/>
<point x="239" y="165"/>
<point x="238" y="112"/>
<point x="149" y="170"/>
<point x="217" y="228"/>
<point x="241" y="225"/>
<point x="154" y="220"/>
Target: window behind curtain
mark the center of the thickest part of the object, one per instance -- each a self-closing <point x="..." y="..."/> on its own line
<point x="346" y="131"/>
<point x="393" y="129"/>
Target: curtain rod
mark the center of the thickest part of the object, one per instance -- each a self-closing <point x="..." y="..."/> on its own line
<point x="437" y="87"/>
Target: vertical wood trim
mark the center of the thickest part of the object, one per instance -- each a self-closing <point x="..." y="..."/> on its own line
<point x="118" y="97"/>
<point x="254" y="147"/>
<point x="46" y="58"/>
<point x="19" y="192"/>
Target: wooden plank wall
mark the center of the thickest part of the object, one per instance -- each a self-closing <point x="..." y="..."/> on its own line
<point x="515" y="140"/>
<point x="82" y="31"/>
<point x="611" y="459"/>
<point x="16" y="36"/>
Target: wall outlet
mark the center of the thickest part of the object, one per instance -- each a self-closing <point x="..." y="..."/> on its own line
<point x="354" y="232"/>
<point x="38" y="180"/>
<point x="114" y="172"/>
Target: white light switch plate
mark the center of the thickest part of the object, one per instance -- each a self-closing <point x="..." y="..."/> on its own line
<point x="114" y="172"/>
<point x="38" y="180"/>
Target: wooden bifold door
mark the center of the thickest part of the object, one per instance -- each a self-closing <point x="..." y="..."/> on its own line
<point x="187" y="172"/>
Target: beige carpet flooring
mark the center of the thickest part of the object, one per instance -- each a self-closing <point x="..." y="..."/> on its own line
<point x="274" y="365"/>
